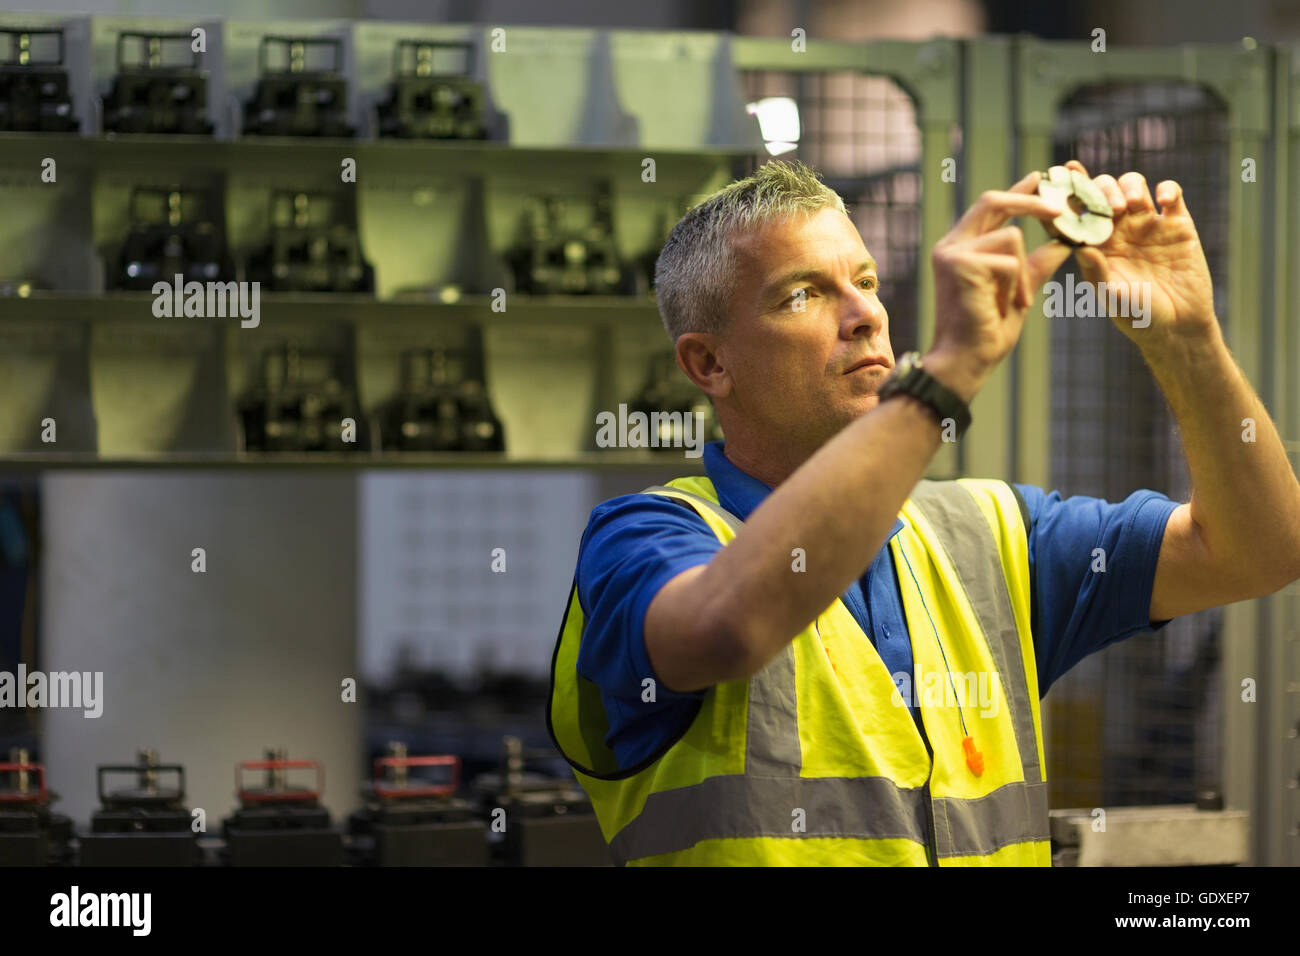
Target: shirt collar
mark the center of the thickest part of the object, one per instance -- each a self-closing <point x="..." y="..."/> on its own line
<point x="738" y="491"/>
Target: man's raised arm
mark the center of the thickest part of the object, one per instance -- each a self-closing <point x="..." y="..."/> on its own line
<point x="1239" y="536"/>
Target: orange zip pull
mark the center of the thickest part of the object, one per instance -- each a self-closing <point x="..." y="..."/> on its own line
<point x="974" y="759"/>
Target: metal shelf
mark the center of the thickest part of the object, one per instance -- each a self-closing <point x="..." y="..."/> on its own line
<point x="610" y="461"/>
<point x="318" y="156"/>
<point x="520" y="309"/>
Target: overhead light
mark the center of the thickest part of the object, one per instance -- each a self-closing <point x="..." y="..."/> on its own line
<point x="778" y="121"/>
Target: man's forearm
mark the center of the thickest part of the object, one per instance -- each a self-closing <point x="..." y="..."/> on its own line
<point x="839" y="508"/>
<point x="1245" y="498"/>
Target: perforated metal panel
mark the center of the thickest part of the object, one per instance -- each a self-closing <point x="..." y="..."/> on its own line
<point x="464" y="570"/>
<point x="860" y="133"/>
<point x="1137" y="723"/>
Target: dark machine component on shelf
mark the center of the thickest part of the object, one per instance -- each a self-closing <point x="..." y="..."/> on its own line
<point x="172" y="232"/>
<point x="159" y="87"/>
<point x="554" y="258"/>
<point x="301" y="91"/>
<point x="280" y="824"/>
<point x="34" y="95"/>
<point x="301" y="404"/>
<point x="427" y="103"/>
<point x="412" y="819"/>
<point x="438" y="410"/>
<point x="314" y="247"/>
<point x="668" y="401"/>
<point x="144" y="824"/>
<point x="30" y="835"/>
<point x="547" y="821"/>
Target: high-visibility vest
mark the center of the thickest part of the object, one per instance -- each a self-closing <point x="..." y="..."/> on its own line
<point x="816" y="760"/>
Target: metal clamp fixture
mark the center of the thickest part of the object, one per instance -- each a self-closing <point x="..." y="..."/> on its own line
<point x="392" y="782"/>
<point x="276" y="788"/>
<point x="21" y="790"/>
<point x="148" y="791"/>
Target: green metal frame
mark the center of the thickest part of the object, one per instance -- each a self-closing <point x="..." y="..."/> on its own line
<point x="988" y="141"/>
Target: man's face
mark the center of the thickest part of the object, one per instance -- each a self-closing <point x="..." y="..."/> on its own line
<point x="808" y="344"/>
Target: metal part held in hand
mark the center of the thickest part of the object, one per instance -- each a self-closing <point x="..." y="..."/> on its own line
<point x="1088" y="219"/>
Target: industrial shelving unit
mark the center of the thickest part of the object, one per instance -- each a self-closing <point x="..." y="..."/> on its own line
<point x="435" y="218"/>
<point x="613" y="336"/>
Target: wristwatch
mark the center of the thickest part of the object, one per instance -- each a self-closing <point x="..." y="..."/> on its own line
<point x="909" y="378"/>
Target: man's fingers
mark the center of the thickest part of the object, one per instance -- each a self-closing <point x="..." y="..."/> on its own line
<point x="1110" y="188"/>
<point x="1029" y="184"/>
<point x="1044" y="261"/>
<point x="995" y="208"/>
<point x="1170" y="197"/>
<point x="1092" y="263"/>
<point x="1006" y="272"/>
<point x="1008" y="239"/>
<point x="1075" y="164"/>
<point x="1136" y="194"/>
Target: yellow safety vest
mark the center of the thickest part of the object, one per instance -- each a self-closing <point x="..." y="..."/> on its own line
<point x="816" y="760"/>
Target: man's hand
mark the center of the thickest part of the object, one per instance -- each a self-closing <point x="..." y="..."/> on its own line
<point x="1239" y="536"/>
<point x="985" y="283"/>
<point x="1158" y="250"/>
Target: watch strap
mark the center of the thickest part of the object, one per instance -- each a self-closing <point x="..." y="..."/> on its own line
<point x="914" y="380"/>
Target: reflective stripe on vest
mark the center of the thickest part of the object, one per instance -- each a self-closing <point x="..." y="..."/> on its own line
<point x="974" y="556"/>
<point x="753" y="805"/>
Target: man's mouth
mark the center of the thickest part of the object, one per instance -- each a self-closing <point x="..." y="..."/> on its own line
<point x="870" y="361"/>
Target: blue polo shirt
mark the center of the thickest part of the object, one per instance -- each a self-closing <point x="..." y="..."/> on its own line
<point x="634" y="544"/>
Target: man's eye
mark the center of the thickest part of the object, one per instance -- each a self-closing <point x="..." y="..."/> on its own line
<point x="869" y="283"/>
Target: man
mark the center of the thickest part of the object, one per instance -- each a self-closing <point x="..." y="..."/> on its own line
<point x="812" y="656"/>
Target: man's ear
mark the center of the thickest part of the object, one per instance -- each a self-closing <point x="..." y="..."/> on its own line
<point x="697" y="357"/>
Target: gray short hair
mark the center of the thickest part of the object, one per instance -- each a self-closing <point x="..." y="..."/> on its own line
<point x="695" y="272"/>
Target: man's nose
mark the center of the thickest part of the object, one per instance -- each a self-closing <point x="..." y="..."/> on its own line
<point x="862" y="313"/>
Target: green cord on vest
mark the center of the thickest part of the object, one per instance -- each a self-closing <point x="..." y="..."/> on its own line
<point x="960" y="715"/>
